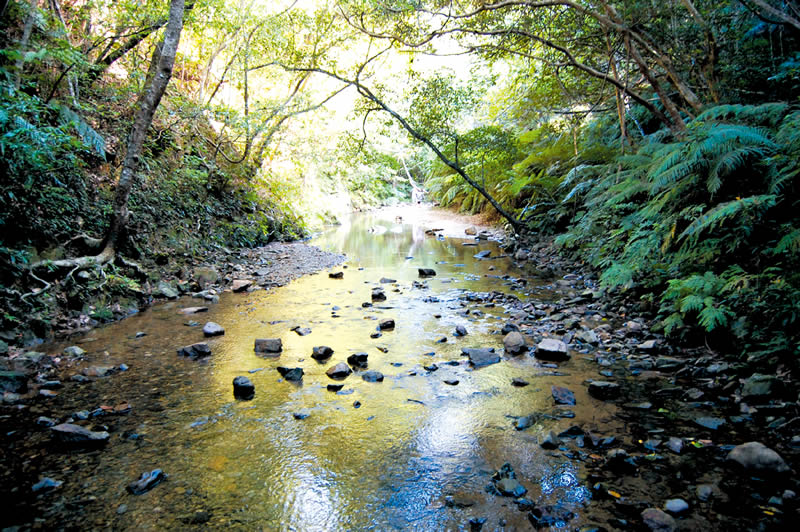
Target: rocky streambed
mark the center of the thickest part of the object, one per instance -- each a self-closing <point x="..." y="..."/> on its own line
<point x="428" y="382"/>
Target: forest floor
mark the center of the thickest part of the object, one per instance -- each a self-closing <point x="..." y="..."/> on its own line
<point x="710" y="442"/>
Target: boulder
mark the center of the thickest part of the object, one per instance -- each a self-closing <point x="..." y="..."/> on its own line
<point x="480" y="357"/>
<point x="291" y="374"/>
<point x="358" y="360"/>
<point x="604" y="390"/>
<point x="552" y="349"/>
<point x="195" y="351"/>
<point x="321" y="352"/>
<point x="378" y="294"/>
<point x="241" y="285"/>
<point x="758" y="459"/>
<point x="77" y="435"/>
<point x="514" y="343"/>
<point x="426" y="272"/>
<point x="164" y="289"/>
<point x="243" y="388"/>
<point x="372" y="376"/>
<point x="213" y="329"/>
<point x="269" y="346"/>
<point x="339" y="371"/>
<point x="386" y="324"/>
<point x="205" y="276"/>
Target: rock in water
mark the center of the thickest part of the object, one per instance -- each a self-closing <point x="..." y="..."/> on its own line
<point x="604" y="390"/>
<point x="336" y="275"/>
<point x="358" y="360"/>
<point x="550" y="441"/>
<point x="658" y="521"/>
<point x="164" y="289"/>
<point x="372" y="376"/>
<point x="386" y="280"/>
<point x="480" y="357"/>
<point x="562" y="395"/>
<point x="193" y="310"/>
<point x="195" y="351"/>
<point x="291" y="374"/>
<point x="514" y="343"/>
<point x="471" y="230"/>
<point x="77" y="435"/>
<point x="339" y="371"/>
<point x="552" y="349"/>
<point x="505" y="483"/>
<point x="386" y="324"/>
<point x="485" y="254"/>
<point x="460" y="331"/>
<point x="240" y="285"/>
<point x="321" y="352"/>
<point x="519" y="383"/>
<point x="13" y="381"/>
<point x="426" y="272"/>
<point x="756" y="458"/>
<point x="147" y="482"/>
<point x="378" y="294"/>
<point x="46" y="484"/>
<point x="243" y="388"/>
<point x="213" y="329"/>
<point x="270" y="346"/>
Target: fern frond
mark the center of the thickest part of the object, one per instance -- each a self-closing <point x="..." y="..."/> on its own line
<point x="87" y="133"/>
<point x="725" y="211"/>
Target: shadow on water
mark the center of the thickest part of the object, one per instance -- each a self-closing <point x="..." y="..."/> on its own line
<point x="386" y="455"/>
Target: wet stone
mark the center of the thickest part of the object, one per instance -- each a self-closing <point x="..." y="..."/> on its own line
<point x="704" y="492"/>
<point x="676" y="506"/>
<point x="243" y="388"/>
<point x="451" y="382"/>
<point x="426" y="272"/>
<point x="519" y="383"/>
<point x="336" y="275"/>
<point x="378" y="294"/>
<point x="604" y="390"/>
<point x="386" y="280"/>
<point x="13" y="381"/>
<point x="514" y="343"/>
<point x="195" y="351"/>
<point x="675" y="445"/>
<point x="509" y="327"/>
<point x="372" y="376"/>
<point x="268" y="345"/>
<point x="550" y="441"/>
<point x="386" y="324"/>
<point x="146" y="482"/>
<point x="460" y="331"/>
<point x="46" y="484"/>
<point x="213" y="329"/>
<point x="358" y="360"/>
<point x="302" y="331"/>
<point x="321" y="352"/>
<point x="562" y="396"/>
<point x="668" y="363"/>
<point x="552" y="349"/>
<point x="759" y="386"/>
<point x="302" y="414"/>
<point x="77" y="435"/>
<point x="479" y="357"/>
<point x="334" y="387"/>
<point x="339" y="371"/>
<point x="291" y="374"/>
<point x="712" y="423"/>
<point x="756" y="458"/>
<point x="550" y="516"/>
<point x="74" y="351"/>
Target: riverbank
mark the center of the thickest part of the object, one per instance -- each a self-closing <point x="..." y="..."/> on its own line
<point x="502" y="356"/>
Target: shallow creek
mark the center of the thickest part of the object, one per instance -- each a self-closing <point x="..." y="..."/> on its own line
<point x="416" y="453"/>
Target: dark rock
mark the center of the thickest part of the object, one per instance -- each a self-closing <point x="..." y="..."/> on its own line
<point x="378" y="294"/>
<point x="550" y="441"/>
<point x="195" y="351"/>
<point x="442" y="340"/>
<point x="658" y="521"/>
<point x="510" y="487"/>
<point x="358" y="360"/>
<point x="509" y="327"/>
<point x="77" y="435"/>
<point x="291" y="374"/>
<point x="668" y="363"/>
<point x="386" y="324"/>
<point x="372" y="376"/>
<point x="13" y="381"/>
<point x="321" y="352"/>
<point x="758" y="459"/>
<point x="485" y="254"/>
<point x="460" y="331"/>
<point x="147" y="482"/>
<point x="269" y="346"/>
<point x="476" y="524"/>
<point x="519" y="383"/>
<point x="302" y="414"/>
<point x="480" y="357"/>
<point x="514" y="343"/>
<point x="550" y="516"/>
<point x="376" y="335"/>
<point x="758" y="387"/>
<point x="712" y="423"/>
<point x="243" y="388"/>
<point x="336" y="275"/>
<point x="451" y="382"/>
<point x="552" y="349"/>
<point x="213" y="329"/>
<point x="334" y="387"/>
<point x="301" y="331"/>
<point x="604" y="390"/>
<point x="562" y="396"/>
<point x="339" y="371"/>
<point x="426" y="272"/>
<point x="704" y="492"/>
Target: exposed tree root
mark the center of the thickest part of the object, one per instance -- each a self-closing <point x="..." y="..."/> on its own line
<point x="37" y="292"/>
<point x="78" y="263"/>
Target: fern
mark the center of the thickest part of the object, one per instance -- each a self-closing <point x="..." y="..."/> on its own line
<point x="726" y="211"/>
<point x="88" y="135"/>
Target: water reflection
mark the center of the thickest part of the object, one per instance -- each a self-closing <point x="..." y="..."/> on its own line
<point x="387" y="464"/>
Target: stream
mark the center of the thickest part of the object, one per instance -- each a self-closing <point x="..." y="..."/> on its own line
<point x="410" y="452"/>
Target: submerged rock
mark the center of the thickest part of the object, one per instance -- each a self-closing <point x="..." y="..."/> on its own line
<point x="146" y="482"/>
<point x="291" y="374"/>
<point x="213" y="329"/>
<point x="195" y="351"/>
<point x="339" y="371"/>
<point x="505" y="483"/>
<point x="604" y="390"/>
<point x="756" y="458"/>
<point x="268" y="345"/>
<point x="562" y="396"/>
<point x="77" y="435"/>
<point x="243" y="388"/>
<point x="480" y="357"/>
<point x="372" y="376"/>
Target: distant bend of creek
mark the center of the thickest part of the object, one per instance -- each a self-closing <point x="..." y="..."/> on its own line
<point x="410" y="452"/>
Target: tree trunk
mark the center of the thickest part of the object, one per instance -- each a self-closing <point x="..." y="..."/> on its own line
<point x="148" y="103"/>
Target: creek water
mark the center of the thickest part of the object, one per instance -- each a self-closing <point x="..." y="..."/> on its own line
<point x="416" y="454"/>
